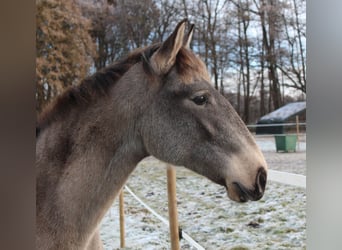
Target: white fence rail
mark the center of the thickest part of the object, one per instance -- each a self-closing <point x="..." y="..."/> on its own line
<point x="276" y="124"/>
<point x="185" y="236"/>
<point x="273" y="175"/>
<point x="297" y="180"/>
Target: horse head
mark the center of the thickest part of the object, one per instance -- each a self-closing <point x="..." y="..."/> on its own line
<point x="189" y="123"/>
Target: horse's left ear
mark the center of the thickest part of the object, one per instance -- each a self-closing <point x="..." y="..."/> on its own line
<point x="165" y="57"/>
<point x="188" y="38"/>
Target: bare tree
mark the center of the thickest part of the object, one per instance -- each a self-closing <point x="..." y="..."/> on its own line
<point x="259" y="44"/>
<point x="120" y="27"/>
<point x="210" y="36"/>
<point x="293" y="58"/>
<point x="170" y="13"/>
<point x="268" y="11"/>
<point x="244" y="43"/>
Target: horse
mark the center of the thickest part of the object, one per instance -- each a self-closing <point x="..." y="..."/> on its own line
<point x="156" y="101"/>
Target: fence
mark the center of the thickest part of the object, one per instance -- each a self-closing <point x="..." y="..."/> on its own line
<point x="276" y="176"/>
<point x="296" y="124"/>
<point x="300" y="133"/>
<point x="175" y="235"/>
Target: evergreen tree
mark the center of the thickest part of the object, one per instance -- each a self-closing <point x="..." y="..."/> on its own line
<point x="64" y="48"/>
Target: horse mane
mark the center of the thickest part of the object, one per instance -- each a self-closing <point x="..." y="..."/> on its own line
<point x="98" y="84"/>
<point x="92" y="87"/>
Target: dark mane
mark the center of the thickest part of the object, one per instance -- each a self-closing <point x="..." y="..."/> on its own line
<point x="92" y="87"/>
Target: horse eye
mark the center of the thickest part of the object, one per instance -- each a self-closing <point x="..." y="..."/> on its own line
<point x="200" y="100"/>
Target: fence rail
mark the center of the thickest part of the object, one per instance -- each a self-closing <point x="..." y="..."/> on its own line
<point x="276" y="124"/>
<point x="297" y="180"/>
<point x="185" y="236"/>
<point x="273" y="175"/>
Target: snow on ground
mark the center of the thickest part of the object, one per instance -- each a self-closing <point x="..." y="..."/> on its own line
<point x="277" y="221"/>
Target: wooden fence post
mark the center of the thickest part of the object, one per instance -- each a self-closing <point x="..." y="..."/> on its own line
<point x="122" y="219"/>
<point x="172" y="204"/>
<point x="297" y="129"/>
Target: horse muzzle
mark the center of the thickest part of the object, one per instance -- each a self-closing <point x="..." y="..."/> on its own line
<point x="238" y="192"/>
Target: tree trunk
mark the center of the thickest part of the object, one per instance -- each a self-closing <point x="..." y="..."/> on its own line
<point x="247" y="63"/>
<point x="262" y="85"/>
<point x="269" y="45"/>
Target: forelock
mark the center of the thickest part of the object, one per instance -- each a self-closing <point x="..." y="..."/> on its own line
<point x="190" y="67"/>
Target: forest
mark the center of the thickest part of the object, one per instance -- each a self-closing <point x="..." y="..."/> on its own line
<point x="255" y="50"/>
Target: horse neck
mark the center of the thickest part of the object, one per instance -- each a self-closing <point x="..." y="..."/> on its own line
<point x="106" y="147"/>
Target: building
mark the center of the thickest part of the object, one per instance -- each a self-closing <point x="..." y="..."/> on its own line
<point x="285" y="114"/>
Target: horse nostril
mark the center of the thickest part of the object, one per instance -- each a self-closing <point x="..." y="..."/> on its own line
<point x="261" y="179"/>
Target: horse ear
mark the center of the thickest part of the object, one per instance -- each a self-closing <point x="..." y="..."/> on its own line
<point x="188" y="38"/>
<point x="165" y="57"/>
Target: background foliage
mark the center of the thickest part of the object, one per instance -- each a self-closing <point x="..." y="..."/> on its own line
<point x="255" y="50"/>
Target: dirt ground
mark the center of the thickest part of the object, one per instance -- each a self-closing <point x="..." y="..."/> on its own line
<point x="292" y="162"/>
<point x="287" y="162"/>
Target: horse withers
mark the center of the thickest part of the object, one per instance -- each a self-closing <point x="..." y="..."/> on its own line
<point x="157" y="101"/>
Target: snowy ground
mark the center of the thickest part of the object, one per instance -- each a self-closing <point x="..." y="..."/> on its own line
<point x="277" y="221"/>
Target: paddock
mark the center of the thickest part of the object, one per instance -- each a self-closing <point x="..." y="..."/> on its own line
<point x="277" y="221"/>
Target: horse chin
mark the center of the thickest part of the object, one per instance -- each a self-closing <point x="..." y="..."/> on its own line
<point x="233" y="192"/>
<point x="236" y="194"/>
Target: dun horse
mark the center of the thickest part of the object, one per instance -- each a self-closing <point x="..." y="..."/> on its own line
<point x="157" y="101"/>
